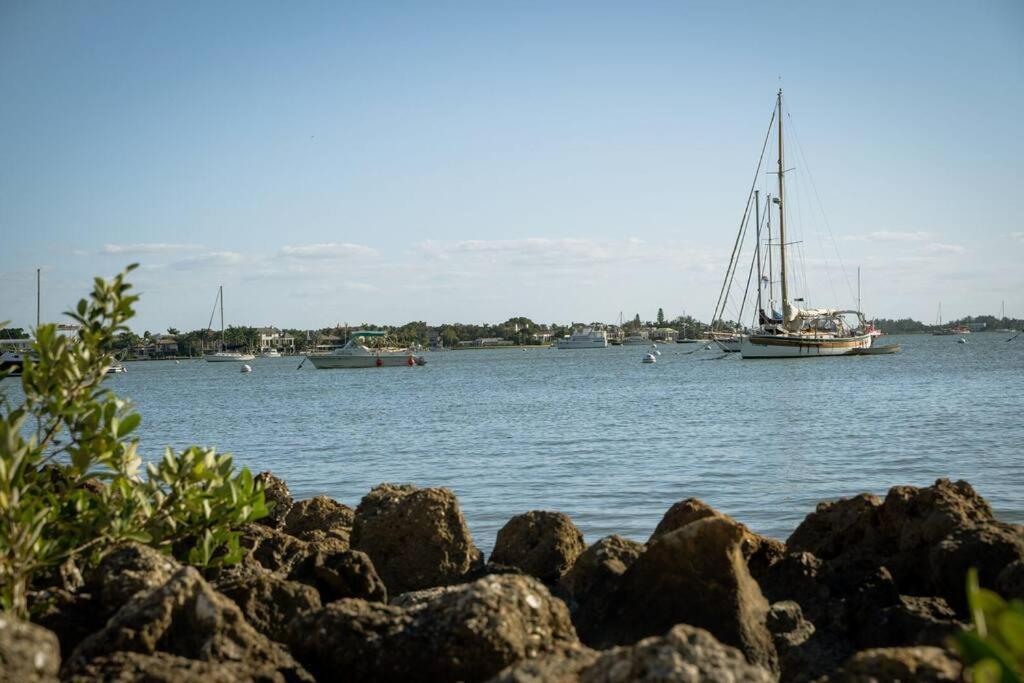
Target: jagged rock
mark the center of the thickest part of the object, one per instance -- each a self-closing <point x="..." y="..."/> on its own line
<point x="797" y="576"/>
<point x="563" y="666"/>
<point x="911" y="621"/>
<point x="159" y="667"/>
<point x="924" y="664"/>
<point x="28" y="652"/>
<point x="837" y="526"/>
<point x="273" y="550"/>
<point x="759" y="551"/>
<point x="323" y="521"/>
<point x="467" y="632"/>
<point x="589" y="588"/>
<point x="990" y="548"/>
<point x="187" y="618"/>
<point x="414" y="600"/>
<point x="685" y="653"/>
<point x="278" y="497"/>
<point x="416" y="538"/>
<point x="543" y="544"/>
<point x="695" y="575"/>
<point x="337" y="575"/>
<point x="1010" y="582"/>
<point x="126" y="571"/>
<point x="269" y="602"/>
<point x="786" y="623"/>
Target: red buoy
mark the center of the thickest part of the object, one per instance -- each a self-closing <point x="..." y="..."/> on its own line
<point x="380" y="361"/>
<point x="411" y="361"/>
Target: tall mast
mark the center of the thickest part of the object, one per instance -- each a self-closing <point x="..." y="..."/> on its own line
<point x="771" y="284"/>
<point x="38" y="295"/>
<point x="782" y="223"/>
<point x="757" y="249"/>
<point x="220" y="294"/>
<point x="859" y="309"/>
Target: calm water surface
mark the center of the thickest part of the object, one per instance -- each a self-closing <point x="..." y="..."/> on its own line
<point x="612" y="442"/>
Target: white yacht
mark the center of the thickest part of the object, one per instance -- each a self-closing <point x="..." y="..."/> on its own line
<point x="271" y="353"/>
<point x="355" y="354"/>
<point x="586" y="338"/>
<point x="637" y="339"/>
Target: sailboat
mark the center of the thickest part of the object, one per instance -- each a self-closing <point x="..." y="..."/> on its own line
<point x="224" y="356"/>
<point x="948" y="331"/>
<point x="800" y="332"/>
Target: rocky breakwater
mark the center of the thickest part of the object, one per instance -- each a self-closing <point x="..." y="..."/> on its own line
<point x="866" y="588"/>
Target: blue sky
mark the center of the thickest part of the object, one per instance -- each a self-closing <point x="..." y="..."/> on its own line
<point x="333" y="162"/>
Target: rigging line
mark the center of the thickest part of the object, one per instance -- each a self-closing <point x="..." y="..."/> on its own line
<point x="746" y="290"/>
<point x="746" y="210"/>
<point x="821" y="207"/>
<point x="209" y="325"/>
<point x="743" y="238"/>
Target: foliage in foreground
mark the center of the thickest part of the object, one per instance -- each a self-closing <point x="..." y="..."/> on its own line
<point x="70" y="482"/>
<point x="994" y="647"/>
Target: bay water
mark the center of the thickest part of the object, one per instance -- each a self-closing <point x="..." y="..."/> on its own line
<point x="610" y="441"/>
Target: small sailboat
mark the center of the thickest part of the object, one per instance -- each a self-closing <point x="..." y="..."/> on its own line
<point x="225" y="356"/>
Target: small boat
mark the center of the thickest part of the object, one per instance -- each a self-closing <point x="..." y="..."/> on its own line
<point x="879" y="350"/>
<point x="637" y="339"/>
<point x="355" y="354"/>
<point x="116" y="368"/>
<point x="271" y="353"/>
<point x="649" y="358"/>
<point x="961" y="340"/>
<point x="225" y="356"/>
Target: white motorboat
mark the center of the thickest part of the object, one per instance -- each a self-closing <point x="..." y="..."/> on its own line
<point x="355" y="354"/>
<point x="637" y="339"/>
<point x="271" y="353"/>
<point x="585" y="338"/>
<point x="225" y="356"/>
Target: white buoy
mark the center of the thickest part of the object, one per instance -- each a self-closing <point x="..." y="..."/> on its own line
<point x="246" y="368"/>
<point x="961" y="340"/>
<point x="649" y="358"/>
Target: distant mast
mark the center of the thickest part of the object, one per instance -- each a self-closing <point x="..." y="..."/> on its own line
<point x="39" y="296"/>
<point x="220" y="295"/>
<point x="757" y="249"/>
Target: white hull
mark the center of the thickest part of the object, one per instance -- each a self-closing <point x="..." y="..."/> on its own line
<point x="228" y="357"/>
<point x="729" y="345"/>
<point x="581" y="344"/>
<point x="384" y="360"/>
<point x="636" y="341"/>
<point x="797" y="346"/>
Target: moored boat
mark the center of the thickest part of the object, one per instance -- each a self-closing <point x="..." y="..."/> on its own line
<point x="355" y="354"/>
<point x="584" y="338"/>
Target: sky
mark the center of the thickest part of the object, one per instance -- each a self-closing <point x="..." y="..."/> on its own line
<point x="454" y="161"/>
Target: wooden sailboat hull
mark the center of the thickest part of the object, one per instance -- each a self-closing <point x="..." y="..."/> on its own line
<point x="798" y="346"/>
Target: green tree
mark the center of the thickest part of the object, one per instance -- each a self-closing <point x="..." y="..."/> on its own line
<point x="661" y="318"/>
<point x="70" y="484"/>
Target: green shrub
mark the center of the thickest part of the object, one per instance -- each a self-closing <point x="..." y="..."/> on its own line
<point x="70" y="480"/>
<point x="993" y="647"/>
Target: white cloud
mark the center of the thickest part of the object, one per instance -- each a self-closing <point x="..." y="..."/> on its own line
<point x="891" y="236"/>
<point x="150" y="248"/>
<point x="327" y="250"/>
<point x="1019" y="236"/>
<point x="211" y="259"/>
<point x="940" y="248"/>
<point x="538" y="250"/>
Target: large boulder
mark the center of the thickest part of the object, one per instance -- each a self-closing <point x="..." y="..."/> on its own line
<point x="28" y="652"/>
<point x="991" y="547"/>
<point x="270" y="602"/>
<point x="590" y="587"/>
<point x="684" y="655"/>
<point x="126" y="571"/>
<point x="416" y="538"/>
<point x="71" y="616"/>
<point x="695" y="575"/>
<point x="337" y="575"/>
<point x="269" y="550"/>
<point x="278" y="497"/>
<point x="838" y="526"/>
<point x="185" y="617"/>
<point x="467" y="633"/>
<point x="925" y="664"/>
<point x="541" y="543"/>
<point x="760" y="552"/>
<point x="911" y="620"/>
<point x="322" y="520"/>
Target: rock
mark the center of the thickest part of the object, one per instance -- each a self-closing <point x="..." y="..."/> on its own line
<point x="278" y="497"/>
<point x="467" y="633"/>
<point x="925" y="664"/>
<point x="269" y="602"/>
<point x="797" y="576"/>
<point x="543" y="544"/>
<point x="563" y="666"/>
<point x="759" y="551"/>
<point x="685" y="654"/>
<point x="416" y="538"/>
<point x="414" y="600"/>
<point x="323" y="520"/>
<point x="1010" y="582"/>
<point x="159" y="667"/>
<point x="695" y="575"/>
<point x="272" y="550"/>
<point x="71" y="616"/>
<point x="187" y="618"/>
<point x="589" y="588"/>
<point x="786" y="623"/>
<point x="126" y="571"/>
<point x="28" y="652"/>
<point x="911" y="621"/>
<point x="989" y="547"/>
<point x="337" y="575"/>
<point x="837" y="526"/>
